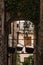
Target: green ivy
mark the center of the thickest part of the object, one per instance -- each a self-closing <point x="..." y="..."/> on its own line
<point x="28" y="9"/>
<point x="27" y="62"/>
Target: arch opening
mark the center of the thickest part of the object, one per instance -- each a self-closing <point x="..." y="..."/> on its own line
<point x="21" y="42"/>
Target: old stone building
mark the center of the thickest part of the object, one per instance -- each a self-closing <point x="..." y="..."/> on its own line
<point x="40" y="33"/>
<point x="3" y="48"/>
<point x="38" y="52"/>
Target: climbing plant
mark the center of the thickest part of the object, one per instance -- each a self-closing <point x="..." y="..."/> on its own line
<point x="29" y="9"/>
<point x="29" y="61"/>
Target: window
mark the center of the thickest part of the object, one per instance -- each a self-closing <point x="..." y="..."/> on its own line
<point x="22" y="39"/>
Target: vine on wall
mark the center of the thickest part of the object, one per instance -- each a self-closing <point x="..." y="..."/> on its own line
<point x="28" y="9"/>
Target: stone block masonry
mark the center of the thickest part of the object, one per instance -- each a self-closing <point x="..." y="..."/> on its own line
<point x="3" y="49"/>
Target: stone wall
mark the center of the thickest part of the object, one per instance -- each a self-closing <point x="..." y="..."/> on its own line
<point x="40" y="36"/>
<point x="41" y="32"/>
<point x="3" y="55"/>
<point x="39" y="47"/>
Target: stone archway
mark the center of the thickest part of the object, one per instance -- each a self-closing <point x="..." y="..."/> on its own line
<point x="41" y="41"/>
